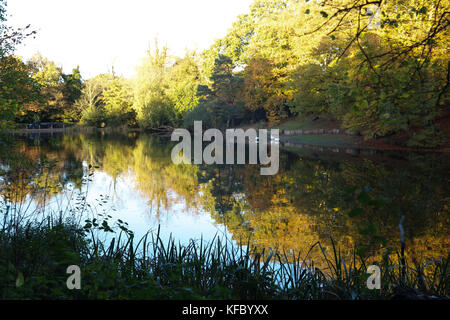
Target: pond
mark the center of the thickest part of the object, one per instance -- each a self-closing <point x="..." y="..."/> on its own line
<point x="352" y="198"/>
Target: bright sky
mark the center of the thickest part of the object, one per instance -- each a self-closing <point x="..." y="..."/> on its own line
<point x="97" y="34"/>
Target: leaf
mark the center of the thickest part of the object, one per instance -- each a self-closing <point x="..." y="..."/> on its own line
<point x="20" y="280"/>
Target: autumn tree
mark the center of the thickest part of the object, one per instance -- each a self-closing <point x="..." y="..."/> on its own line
<point x="58" y="92"/>
<point x="151" y="103"/>
<point x="182" y="82"/>
<point x="16" y="86"/>
<point x="220" y="104"/>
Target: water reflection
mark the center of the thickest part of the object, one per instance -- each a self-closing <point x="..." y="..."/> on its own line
<point x="356" y="200"/>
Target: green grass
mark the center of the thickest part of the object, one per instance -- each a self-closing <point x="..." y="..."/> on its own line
<point x="308" y="123"/>
<point x="322" y="140"/>
<point x="298" y="124"/>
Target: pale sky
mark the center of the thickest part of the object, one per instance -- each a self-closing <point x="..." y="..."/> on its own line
<point x="96" y="34"/>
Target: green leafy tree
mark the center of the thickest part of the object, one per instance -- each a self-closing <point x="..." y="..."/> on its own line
<point x="151" y="103"/>
<point x="221" y="105"/>
<point x="58" y="92"/>
<point x="117" y="100"/>
<point x="106" y="100"/>
<point x="90" y="104"/>
<point x="182" y="83"/>
<point x="73" y="86"/>
<point x="16" y="87"/>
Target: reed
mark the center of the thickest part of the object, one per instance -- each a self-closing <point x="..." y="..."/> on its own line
<point x="34" y="255"/>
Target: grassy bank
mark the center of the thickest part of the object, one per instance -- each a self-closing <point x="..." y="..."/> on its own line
<point x="323" y="140"/>
<point x="311" y="126"/>
<point x="310" y="123"/>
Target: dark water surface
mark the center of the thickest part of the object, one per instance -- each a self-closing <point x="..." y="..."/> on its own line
<point x="355" y="198"/>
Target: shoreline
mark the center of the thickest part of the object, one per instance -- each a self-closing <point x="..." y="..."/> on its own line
<point x="357" y="143"/>
<point x="320" y="138"/>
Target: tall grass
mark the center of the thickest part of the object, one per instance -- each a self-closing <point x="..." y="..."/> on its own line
<point x="34" y="256"/>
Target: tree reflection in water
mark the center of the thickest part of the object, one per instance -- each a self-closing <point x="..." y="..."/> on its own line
<point x="356" y="201"/>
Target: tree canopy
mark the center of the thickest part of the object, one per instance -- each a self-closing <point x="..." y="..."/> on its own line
<point x="378" y="67"/>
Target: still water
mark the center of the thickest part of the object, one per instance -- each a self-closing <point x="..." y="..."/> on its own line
<point x="355" y="198"/>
